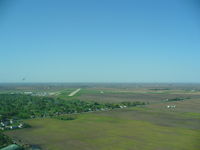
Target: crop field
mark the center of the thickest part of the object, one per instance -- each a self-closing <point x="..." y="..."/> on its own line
<point x="150" y="127"/>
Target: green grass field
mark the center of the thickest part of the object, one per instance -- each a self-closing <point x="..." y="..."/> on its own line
<point x="151" y="127"/>
<point x="134" y="94"/>
<point x="128" y="129"/>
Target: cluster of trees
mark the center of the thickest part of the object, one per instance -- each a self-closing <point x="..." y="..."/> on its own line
<point x="26" y="106"/>
<point x="66" y="117"/>
<point x="4" y="140"/>
<point x="178" y="99"/>
<point x="19" y="106"/>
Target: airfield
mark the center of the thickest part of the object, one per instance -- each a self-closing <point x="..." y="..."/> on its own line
<point x="154" y="126"/>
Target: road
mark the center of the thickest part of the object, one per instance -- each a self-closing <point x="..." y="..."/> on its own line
<point x="74" y="92"/>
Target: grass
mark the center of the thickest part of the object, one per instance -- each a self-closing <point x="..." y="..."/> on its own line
<point x="64" y="94"/>
<point x="186" y="106"/>
<point x="123" y="94"/>
<point x="128" y="129"/>
<point x="119" y="95"/>
<point x="153" y="127"/>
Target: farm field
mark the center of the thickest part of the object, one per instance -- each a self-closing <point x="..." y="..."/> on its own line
<point x="153" y="126"/>
<point x="119" y="94"/>
<point x="128" y="129"/>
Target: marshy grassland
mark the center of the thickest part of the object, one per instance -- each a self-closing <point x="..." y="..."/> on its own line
<point x="149" y="127"/>
<point x="128" y="129"/>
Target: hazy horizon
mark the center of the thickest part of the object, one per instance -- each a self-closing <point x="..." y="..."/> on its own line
<point x="114" y="41"/>
<point x="99" y="82"/>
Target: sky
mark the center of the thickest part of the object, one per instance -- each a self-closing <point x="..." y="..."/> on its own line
<point x="100" y="41"/>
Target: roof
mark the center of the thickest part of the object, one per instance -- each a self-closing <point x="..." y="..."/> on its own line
<point x="11" y="147"/>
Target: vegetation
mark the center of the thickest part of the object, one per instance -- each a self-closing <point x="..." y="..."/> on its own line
<point x="25" y="106"/>
<point x="4" y="140"/>
<point x="177" y="99"/>
<point x="160" y="89"/>
<point x="120" y="129"/>
<point x="14" y="107"/>
<point x="66" y="117"/>
<point x="58" y="122"/>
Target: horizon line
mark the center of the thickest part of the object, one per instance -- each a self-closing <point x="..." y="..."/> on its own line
<point x="99" y="82"/>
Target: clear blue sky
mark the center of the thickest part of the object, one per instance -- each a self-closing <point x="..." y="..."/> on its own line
<point x="100" y="40"/>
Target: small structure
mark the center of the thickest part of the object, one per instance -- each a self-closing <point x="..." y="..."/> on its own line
<point x="1" y="128"/>
<point x="12" y="147"/>
<point x="122" y="106"/>
<point x="28" y="93"/>
<point x="171" y="106"/>
<point x="20" y="125"/>
<point x="11" y="121"/>
<point x="2" y="124"/>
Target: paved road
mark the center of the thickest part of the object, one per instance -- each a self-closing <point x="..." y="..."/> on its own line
<point x="74" y="92"/>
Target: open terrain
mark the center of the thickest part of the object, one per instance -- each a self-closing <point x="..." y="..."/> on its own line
<point x="150" y="127"/>
<point x="74" y="92"/>
<point x="129" y="129"/>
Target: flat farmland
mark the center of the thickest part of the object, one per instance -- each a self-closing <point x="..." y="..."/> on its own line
<point x="149" y="127"/>
<point x="141" y="94"/>
<point x="188" y="106"/>
<point x="127" y="129"/>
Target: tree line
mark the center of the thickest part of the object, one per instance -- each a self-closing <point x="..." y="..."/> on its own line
<point x="25" y="106"/>
<point x="19" y="106"/>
